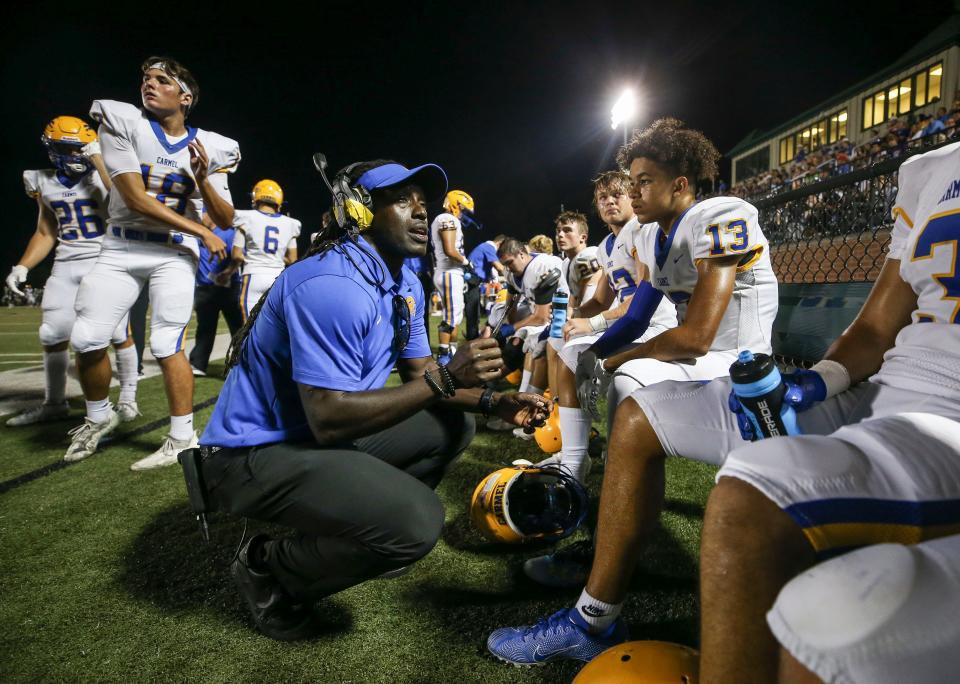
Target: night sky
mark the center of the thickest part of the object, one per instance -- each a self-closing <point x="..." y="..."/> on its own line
<point x="512" y="99"/>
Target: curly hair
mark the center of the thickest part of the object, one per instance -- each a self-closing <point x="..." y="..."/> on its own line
<point x="668" y="142"/>
<point x="179" y="71"/>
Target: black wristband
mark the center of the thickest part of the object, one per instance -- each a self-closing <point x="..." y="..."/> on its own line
<point x="486" y="402"/>
<point x="435" y="386"/>
<point x="448" y="385"/>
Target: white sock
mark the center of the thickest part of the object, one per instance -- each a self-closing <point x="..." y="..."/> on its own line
<point x="532" y="389"/>
<point x="181" y="427"/>
<point x="127" y="372"/>
<point x="596" y="613"/>
<point x="575" y="434"/>
<point x="525" y="380"/>
<point x="99" y="411"/>
<point x="55" y="371"/>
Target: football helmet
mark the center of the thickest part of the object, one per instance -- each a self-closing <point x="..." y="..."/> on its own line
<point x="267" y="192"/>
<point x="643" y="662"/>
<point x="64" y="137"/>
<point x="456" y="201"/>
<point x="548" y="434"/>
<point x="522" y="502"/>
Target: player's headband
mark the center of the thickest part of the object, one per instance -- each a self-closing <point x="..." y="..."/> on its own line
<point x="162" y="66"/>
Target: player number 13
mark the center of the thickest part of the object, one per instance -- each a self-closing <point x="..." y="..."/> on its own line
<point x="729" y="239"/>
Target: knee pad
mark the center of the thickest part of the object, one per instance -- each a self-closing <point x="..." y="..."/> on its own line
<point x="87" y="336"/>
<point x="166" y="339"/>
<point x="445" y="327"/>
<point x="57" y="326"/>
<point x="824" y="607"/>
<point x="122" y="331"/>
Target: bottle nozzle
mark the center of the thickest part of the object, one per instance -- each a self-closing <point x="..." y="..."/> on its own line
<point x="746" y="356"/>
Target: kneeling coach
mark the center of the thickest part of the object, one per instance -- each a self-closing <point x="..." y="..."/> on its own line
<point x="306" y="435"/>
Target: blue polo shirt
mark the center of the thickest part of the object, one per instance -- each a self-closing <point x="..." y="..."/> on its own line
<point x="482" y="257"/>
<point x="207" y="268"/>
<point x="323" y="325"/>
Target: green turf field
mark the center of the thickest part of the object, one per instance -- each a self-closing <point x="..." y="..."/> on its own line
<point x="104" y="577"/>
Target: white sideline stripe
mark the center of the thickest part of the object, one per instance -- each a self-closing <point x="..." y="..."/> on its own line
<point x="21" y="388"/>
<point x="39" y="353"/>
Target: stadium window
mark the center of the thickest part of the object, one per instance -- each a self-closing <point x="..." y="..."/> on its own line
<point x="921" y="88"/>
<point x="754" y="163"/>
<point x="905" y="89"/>
<point x="787" y="149"/>
<point x="920" y="92"/>
<point x="838" y="126"/>
<point x="934" y="75"/>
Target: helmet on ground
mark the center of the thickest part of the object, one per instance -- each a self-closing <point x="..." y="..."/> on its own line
<point x="456" y="201"/>
<point x="524" y="502"/>
<point x="267" y="192"/>
<point x="643" y="662"/>
<point x="64" y="138"/>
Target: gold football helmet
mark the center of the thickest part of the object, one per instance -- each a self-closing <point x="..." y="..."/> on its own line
<point x="643" y="662"/>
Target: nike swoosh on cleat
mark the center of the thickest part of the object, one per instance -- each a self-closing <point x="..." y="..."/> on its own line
<point x="540" y="656"/>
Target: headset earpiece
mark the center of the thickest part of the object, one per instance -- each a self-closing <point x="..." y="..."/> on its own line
<point x="352" y="206"/>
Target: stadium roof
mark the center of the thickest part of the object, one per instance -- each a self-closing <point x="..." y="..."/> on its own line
<point x="943" y="36"/>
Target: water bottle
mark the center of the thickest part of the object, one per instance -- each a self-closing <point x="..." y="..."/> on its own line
<point x="560" y="299"/>
<point x="759" y="389"/>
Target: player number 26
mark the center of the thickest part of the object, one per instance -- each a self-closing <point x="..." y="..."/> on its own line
<point x="731" y="238"/>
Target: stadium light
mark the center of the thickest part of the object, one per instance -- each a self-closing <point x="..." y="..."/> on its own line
<point x="624" y="110"/>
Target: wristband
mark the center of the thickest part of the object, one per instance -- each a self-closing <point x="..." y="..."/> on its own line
<point x="433" y="385"/>
<point x="835" y="376"/>
<point x="598" y="323"/>
<point x="486" y="402"/>
<point x="449" y="386"/>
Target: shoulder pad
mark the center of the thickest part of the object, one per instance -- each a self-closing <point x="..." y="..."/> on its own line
<point x="717" y="209"/>
<point x="31" y="183"/>
<point x="118" y="117"/>
<point x="224" y="152"/>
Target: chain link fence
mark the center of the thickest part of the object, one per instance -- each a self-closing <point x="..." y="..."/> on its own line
<point x="836" y="230"/>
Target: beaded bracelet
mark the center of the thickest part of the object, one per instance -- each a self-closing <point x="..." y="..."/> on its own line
<point x="437" y="389"/>
<point x="448" y="385"/>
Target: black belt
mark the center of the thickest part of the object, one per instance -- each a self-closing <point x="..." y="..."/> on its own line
<point x="146" y="235"/>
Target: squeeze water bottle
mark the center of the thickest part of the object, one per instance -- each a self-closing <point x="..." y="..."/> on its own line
<point x="559" y="317"/>
<point x="760" y="389"/>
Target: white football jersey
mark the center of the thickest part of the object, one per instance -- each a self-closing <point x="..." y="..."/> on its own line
<point x="639" y="242"/>
<point x="265" y="239"/>
<point x="441" y="223"/>
<point x="80" y="207"/>
<point x="718" y="227"/>
<point x="539" y="265"/>
<point x="134" y="143"/>
<point x="617" y="262"/>
<point x="926" y="240"/>
<point x="578" y="270"/>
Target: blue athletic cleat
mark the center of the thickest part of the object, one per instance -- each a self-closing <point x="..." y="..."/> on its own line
<point x="562" y="635"/>
<point x="444" y="359"/>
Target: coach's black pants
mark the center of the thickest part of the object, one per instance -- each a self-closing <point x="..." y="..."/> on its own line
<point x="358" y="511"/>
<point x="471" y="308"/>
<point x="210" y="301"/>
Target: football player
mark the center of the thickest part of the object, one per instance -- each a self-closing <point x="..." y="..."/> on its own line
<point x="72" y="207"/>
<point x="483" y="258"/>
<point x="265" y="242"/>
<point x="610" y="300"/>
<point x="161" y="170"/>
<point x="712" y="260"/>
<point x="446" y="232"/>
<point x="878" y="461"/>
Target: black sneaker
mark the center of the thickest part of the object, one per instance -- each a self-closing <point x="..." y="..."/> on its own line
<point x="274" y="611"/>
<point x="566" y="567"/>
